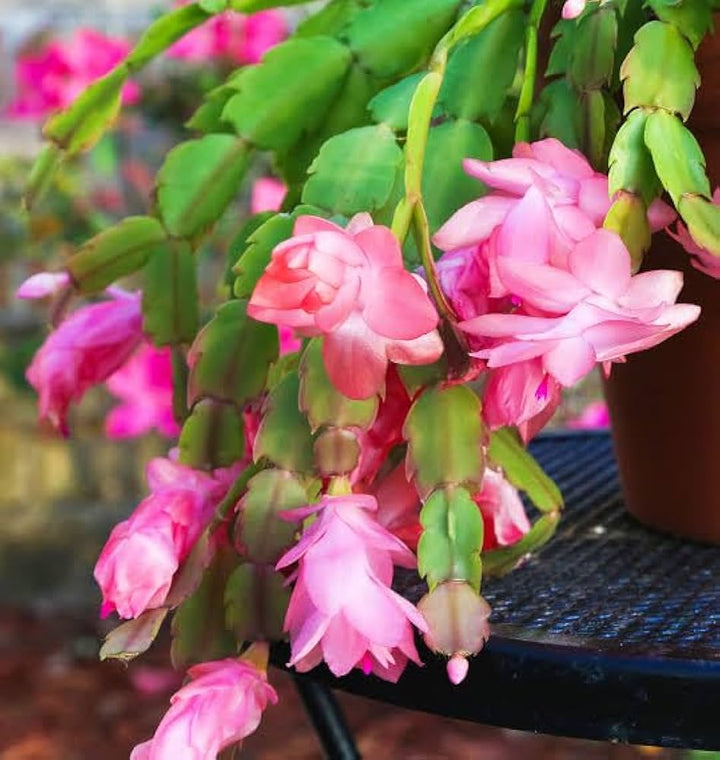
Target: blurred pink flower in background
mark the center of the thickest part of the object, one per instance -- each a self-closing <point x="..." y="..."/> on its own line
<point x="342" y="609"/>
<point x="595" y="415"/>
<point x="267" y="194"/>
<point x="233" y="37"/>
<point x="144" y="385"/>
<point x="52" y="77"/>
<point x="221" y="705"/>
<point x="84" y="350"/>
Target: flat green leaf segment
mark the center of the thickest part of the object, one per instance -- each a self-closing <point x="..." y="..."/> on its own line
<point x="355" y="171"/>
<point x="520" y="468"/>
<point x="284" y="436"/>
<point x="256" y="600"/>
<point x="660" y="70"/>
<point x="631" y="165"/>
<point x="444" y="434"/>
<point x="449" y="547"/>
<point x="288" y="94"/>
<point x="198" y="181"/>
<point x="261" y="533"/>
<point x="213" y="436"/>
<point x="116" y="252"/>
<point x="170" y="298"/>
<point x="231" y="357"/>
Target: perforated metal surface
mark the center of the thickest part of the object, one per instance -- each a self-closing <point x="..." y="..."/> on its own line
<point x="604" y="576"/>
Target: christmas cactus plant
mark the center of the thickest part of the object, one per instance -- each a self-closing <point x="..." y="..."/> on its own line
<point x="460" y="240"/>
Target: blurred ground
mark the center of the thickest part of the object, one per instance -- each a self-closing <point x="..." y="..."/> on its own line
<point x="57" y="702"/>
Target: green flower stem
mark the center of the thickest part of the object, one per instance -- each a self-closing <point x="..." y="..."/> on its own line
<point x="527" y="91"/>
<point x="411" y="209"/>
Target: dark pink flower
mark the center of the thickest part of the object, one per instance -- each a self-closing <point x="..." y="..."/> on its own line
<point x="350" y="286"/>
<point x="53" y="77"/>
<point x="222" y="704"/>
<point x="144" y="384"/>
<point x="502" y="510"/>
<point x="232" y="37"/>
<point x="85" y="350"/>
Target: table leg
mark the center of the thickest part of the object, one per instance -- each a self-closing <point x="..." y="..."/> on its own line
<point x="327" y="719"/>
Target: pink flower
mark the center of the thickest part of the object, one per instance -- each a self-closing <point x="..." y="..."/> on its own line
<point x="502" y="509"/>
<point x="232" y="37"/>
<point x="288" y="342"/>
<point x="350" y="286"/>
<point x="222" y="704"/>
<point x="342" y="608"/>
<point x="53" y="77"/>
<point x="615" y="313"/>
<point x="702" y="258"/>
<point x="523" y="395"/>
<point x="267" y="194"/>
<point x="137" y="564"/>
<point x="573" y="8"/>
<point x="595" y="415"/>
<point x="144" y="385"/>
<point x="88" y="347"/>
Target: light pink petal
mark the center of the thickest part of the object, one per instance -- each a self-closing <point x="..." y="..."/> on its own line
<point x="43" y="285"/>
<point x="570" y="360"/>
<point x="573" y="8"/>
<point x="660" y="215"/>
<point x="527" y="231"/>
<point x="650" y="289"/>
<point x="563" y="159"/>
<point x="396" y="306"/>
<point x="329" y="317"/>
<point x="594" y="199"/>
<point x="602" y="262"/>
<point x="510" y="175"/>
<point x="544" y="287"/>
<point x="358" y="223"/>
<point x="423" y="350"/>
<point x="473" y="223"/>
<point x="355" y="359"/>
<point x="380" y="245"/>
<point x="309" y="225"/>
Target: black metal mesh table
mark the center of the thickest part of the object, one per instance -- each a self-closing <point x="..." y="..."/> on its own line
<point x="610" y="632"/>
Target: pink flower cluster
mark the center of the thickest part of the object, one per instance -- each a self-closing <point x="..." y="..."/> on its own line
<point x="543" y="292"/>
<point x="52" y="78"/>
<point x="350" y="286"/>
<point x="136" y="567"/>
<point x="232" y="37"/>
<point x="222" y="704"/>
<point x="342" y="608"/>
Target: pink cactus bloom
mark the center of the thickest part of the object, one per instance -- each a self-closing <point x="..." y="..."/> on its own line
<point x="573" y="8"/>
<point x="144" y="384"/>
<point x="502" y="510"/>
<point x="615" y="313"/>
<point x="222" y="704"/>
<point x="288" y="342"/>
<point x="232" y="37"/>
<point x="595" y="415"/>
<point x="521" y="394"/>
<point x="342" y="608"/>
<point x="88" y="347"/>
<point x="52" y="78"/>
<point x="267" y="194"/>
<point x="570" y="200"/>
<point x="350" y="286"/>
<point x="136" y="567"/>
<point x="702" y="258"/>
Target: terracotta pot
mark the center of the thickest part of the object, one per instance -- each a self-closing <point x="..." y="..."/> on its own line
<point x="665" y="403"/>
